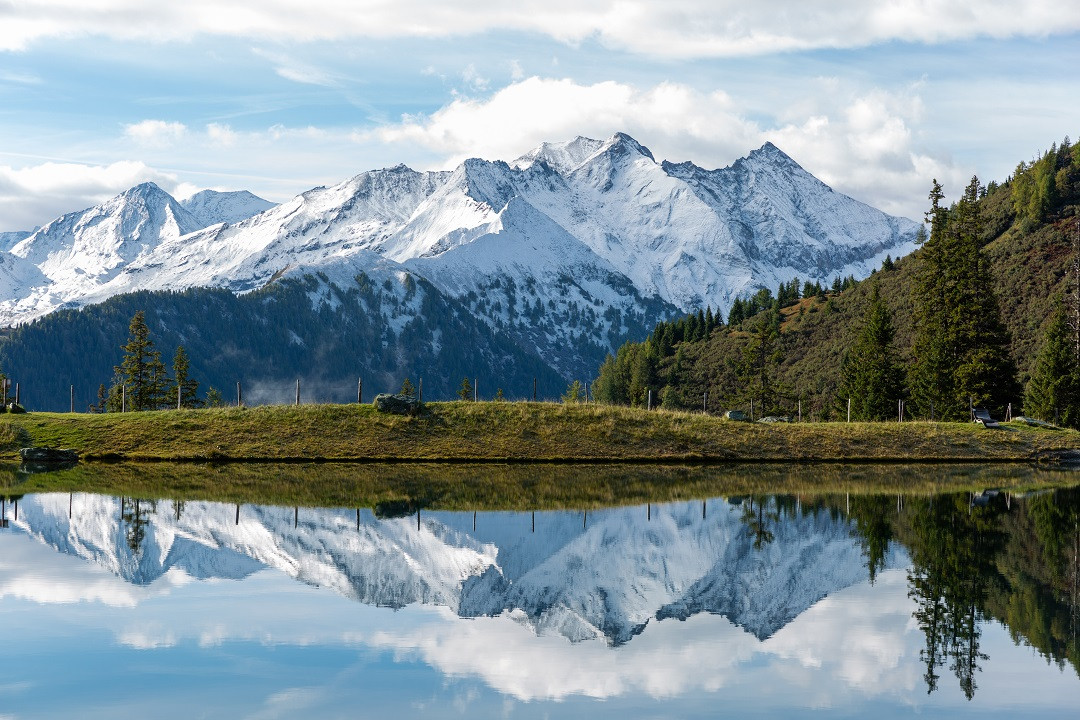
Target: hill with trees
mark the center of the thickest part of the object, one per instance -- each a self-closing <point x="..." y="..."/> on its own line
<point x="968" y="318"/>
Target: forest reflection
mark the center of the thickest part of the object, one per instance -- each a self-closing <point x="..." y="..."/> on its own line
<point x="974" y="558"/>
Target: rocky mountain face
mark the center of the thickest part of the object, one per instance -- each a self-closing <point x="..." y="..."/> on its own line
<point x="567" y="252"/>
<point x="604" y="575"/>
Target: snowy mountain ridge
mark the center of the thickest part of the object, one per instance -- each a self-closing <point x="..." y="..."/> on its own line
<point x="607" y="575"/>
<point x="569" y="250"/>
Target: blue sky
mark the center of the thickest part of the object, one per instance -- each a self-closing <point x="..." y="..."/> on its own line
<point x="876" y="99"/>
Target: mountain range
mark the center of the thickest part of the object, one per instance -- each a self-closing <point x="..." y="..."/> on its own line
<point x="605" y="576"/>
<point x="563" y="254"/>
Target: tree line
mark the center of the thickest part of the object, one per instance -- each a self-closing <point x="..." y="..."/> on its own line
<point x="959" y="355"/>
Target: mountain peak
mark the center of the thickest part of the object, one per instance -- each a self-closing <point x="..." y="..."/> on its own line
<point x="772" y="154"/>
<point x="620" y="141"/>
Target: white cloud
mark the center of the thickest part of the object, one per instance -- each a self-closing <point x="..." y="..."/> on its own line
<point x="31" y="196"/>
<point x="155" y="132"/>
<point x="676" y="28"/>
<point x="864" y="143"/>
<point x="297" y="71"/>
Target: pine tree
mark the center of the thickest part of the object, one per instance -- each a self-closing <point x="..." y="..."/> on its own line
<point x="102" y="399"/>
<point x="188" y="388"/>
<point x="737" y="313"/>
<point x="1053" y="393"/>
<point x="760" y="361"/>
<point x="465" y="392"/>
<point x="214" y="398"/>
<point x="871" y="374"/>
<point x="141" y="371"/>
<point x="407" y="389"/>
<point x="961" y="344"/>
<point x="574" y="393"/>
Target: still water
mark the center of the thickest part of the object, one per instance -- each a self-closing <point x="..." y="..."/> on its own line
<point x="757" y="605"/>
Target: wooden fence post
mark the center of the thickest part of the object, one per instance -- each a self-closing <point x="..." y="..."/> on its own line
<point x="72" y="398"/>
<point x="297" y="391"/>
<point x="359" y="391"/>
<point x="239" y="396"/>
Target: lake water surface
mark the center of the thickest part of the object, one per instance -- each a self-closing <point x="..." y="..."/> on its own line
<point x="752" y="605"/>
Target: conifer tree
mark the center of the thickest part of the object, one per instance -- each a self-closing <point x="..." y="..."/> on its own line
<point x="871" y="374"/>
<point x="141" y="371"/>
<point x="961" y="344"/>
<point x="465" y="392"/>
<point x="187" y="387"/>
<point x="407" y="389"/>
<point x="1053" y="393"/>
<point x="760" y="361"/>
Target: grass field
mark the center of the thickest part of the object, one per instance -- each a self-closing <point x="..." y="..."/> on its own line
<point x="508" y="432"/>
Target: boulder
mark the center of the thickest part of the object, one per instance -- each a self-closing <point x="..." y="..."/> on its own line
<point x="396" y="404"/>
<point x="736" y="415"/>
<point x="48" y="455"/>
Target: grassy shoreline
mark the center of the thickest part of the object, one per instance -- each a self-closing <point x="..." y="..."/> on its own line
<point x="517" y="487"/>
<point x="496" y="432"/>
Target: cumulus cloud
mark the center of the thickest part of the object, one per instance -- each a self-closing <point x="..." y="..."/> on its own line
<point x="863" y="143"/>
<point x="676" y="28"/>
<point x="155" y="132"/>
<point x="31" y="196"/>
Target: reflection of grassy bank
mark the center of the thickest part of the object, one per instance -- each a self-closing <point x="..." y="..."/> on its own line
<point x="507" y="431"/>
<point x="538" y="486"/>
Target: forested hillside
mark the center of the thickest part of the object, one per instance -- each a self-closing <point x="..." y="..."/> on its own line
<point x="1001" y="253"/>
<point x="328" y="335"/>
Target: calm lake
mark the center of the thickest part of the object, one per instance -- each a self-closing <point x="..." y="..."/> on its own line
<point x="764" y="605"/>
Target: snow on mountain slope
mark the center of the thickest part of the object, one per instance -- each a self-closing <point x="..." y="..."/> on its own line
<point x="211" y="207"/>
<point x="605" y="575"/>
<point x="9" y="240"/>
<point x="81" y="251"/>
<point x="572" y="249"/>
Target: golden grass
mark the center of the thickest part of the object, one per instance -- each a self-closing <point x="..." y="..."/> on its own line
<point x="495" y="431"/>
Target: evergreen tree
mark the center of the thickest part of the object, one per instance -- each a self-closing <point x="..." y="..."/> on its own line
<point x="465" y="392"/>
<point x="407" y="389"/>
<point x="961" y="343"/>
<point x="214" y="398"/>
<point x="737" y="313"/>
<point x="102" y="399"/>
<point x="760" y="362"/>
<point x="574" y="393"/>
<point x="141" y="371"/>
<point x="182" y="384"/>
<point x="1053" y="393"/>
<point x="871" y="374"/>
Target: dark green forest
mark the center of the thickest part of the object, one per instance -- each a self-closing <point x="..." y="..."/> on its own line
<point x="985" y="313"/>
<point x="268" y="338"/>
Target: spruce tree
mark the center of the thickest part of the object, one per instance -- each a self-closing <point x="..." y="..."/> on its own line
<point x="141" y="371"/>
<point x="1053" y="393"/>
<point x="465" y="392"/>
<point x="187" y="387"/>
<point x="871" y="374"/>
<point x="760" y="362"/>
<point x="961" y="344"/>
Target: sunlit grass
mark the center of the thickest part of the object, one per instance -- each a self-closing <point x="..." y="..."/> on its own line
<point x="507" y="431"/>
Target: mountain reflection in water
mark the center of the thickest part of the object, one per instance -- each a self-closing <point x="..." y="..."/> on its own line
<point x="607" y="576"/>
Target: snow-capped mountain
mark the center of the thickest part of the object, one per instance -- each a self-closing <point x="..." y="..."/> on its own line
<point x="211" y="207"/>
<point x="605" y="575"/>
<point x="570" y="250"/>
<point x="9" y="240"/>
